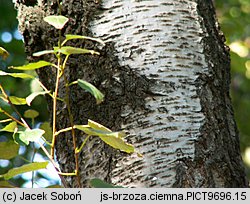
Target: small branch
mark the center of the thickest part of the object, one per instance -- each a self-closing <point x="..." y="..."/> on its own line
<point x="63" y="130"/>
<point x="72" y="126"/>
<point x="64" y="63"/>
<point x="77" y="150"/>
<point x="44" y="88"/>
<point x="23" y="123"/>
<point x="6" y="120"/>
<point x="68" y="174"/>
<point x="53" y="163"/>
<point x="12" y="118"/>
<point x="54" y="109"/>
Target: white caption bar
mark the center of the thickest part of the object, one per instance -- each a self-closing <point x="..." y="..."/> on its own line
<point x="125" y="195"/>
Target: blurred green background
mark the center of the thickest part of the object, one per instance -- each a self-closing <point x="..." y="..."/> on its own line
<point x="11" y="40"/>
<point x="234" y="18"/>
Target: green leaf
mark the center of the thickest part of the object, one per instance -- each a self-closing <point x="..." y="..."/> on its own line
<point x="55" y="186"/>
<point x="113" y="139"/>
<point x="14" y="100"/>
<point x="25" y="168"/>
<point x="17" y="101"/>
<point x="98" y="183"/>
<point x="57" y="21"/>
<point x="68" y="50"/>
<point x="10" y="127"/>
<point x="30" y="135"/>
<point x="32" y="96"/>
<point x="86" y="129"/>
<point x="117" y="142"/>
<point x="43" y="52"/>
<point x="31" y="114"/>
<point x="6" y="184"/>
<point x="17" y="140"/>
<point x="97" y="126"/>
<point x="91" y="89"/>
<point x="71" y="37"/>
<point x="17" y="75"/>
<point x="8" y="149"/>
<point x="4" y="53"/>
<point x="32" y="66"/>
<point x="48" y="131"/>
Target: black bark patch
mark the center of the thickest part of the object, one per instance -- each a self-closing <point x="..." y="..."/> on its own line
<point x="28" y="2"/>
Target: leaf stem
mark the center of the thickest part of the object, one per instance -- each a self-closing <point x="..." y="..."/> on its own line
<point x="84" y="142"/>
<point x="54" y="109"/>
<point x="71" y="119"/>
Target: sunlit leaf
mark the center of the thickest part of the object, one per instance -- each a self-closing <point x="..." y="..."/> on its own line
<point x="43" y="52"/>
<point x="30" y="135"/>
<point x="10" y="127"/>
<point x="8" y="149"/>
<point x="32" y="66"/>
<point x="31" y="113"/>
<point x="57" y="21"/>
<point x="85" y="128"/>
<point x="32" y="96"/>
<point x="14" y="100"/>
<point x="25" y="168"/>
<point x="68" y="50"/>
<point x="91" y="89"/>
<point x="17" y="75"/>
<point x="4" y="53"/>
<point x="117" y="142"/>
<point x="98" y="183"/>
<point x="48" y="131"/>
<point x="17" y="100"/>
<point x="71" y="37"/>
<point x="114" y="139"/>
<point x="97" y="126"/>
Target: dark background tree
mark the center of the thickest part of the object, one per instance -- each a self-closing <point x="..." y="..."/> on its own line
<point x="185" y="166"/>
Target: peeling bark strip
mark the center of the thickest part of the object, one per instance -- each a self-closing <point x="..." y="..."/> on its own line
<point x="165" y="75"/>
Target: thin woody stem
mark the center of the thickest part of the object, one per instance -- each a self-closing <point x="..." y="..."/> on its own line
<point x="72" y="128"/>
<point x="54" y="110"/>
<point x="12" y="118"/>
<point x="23" y="123"/>
<point x="53" y="163"/>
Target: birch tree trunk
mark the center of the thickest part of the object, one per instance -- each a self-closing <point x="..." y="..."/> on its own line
<point x="165" y="73"/>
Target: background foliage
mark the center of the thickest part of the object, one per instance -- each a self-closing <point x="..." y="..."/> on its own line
<point x="234" y="18"/>
<point x="11" y="40"/>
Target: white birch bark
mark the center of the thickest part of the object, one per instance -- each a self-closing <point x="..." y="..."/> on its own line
<point x="163" y="41"/>
<point x="183" y="125"/>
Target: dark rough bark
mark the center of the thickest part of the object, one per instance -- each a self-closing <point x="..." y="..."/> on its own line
<point x="217" y="156"/>
<point x="209" y="154"/>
